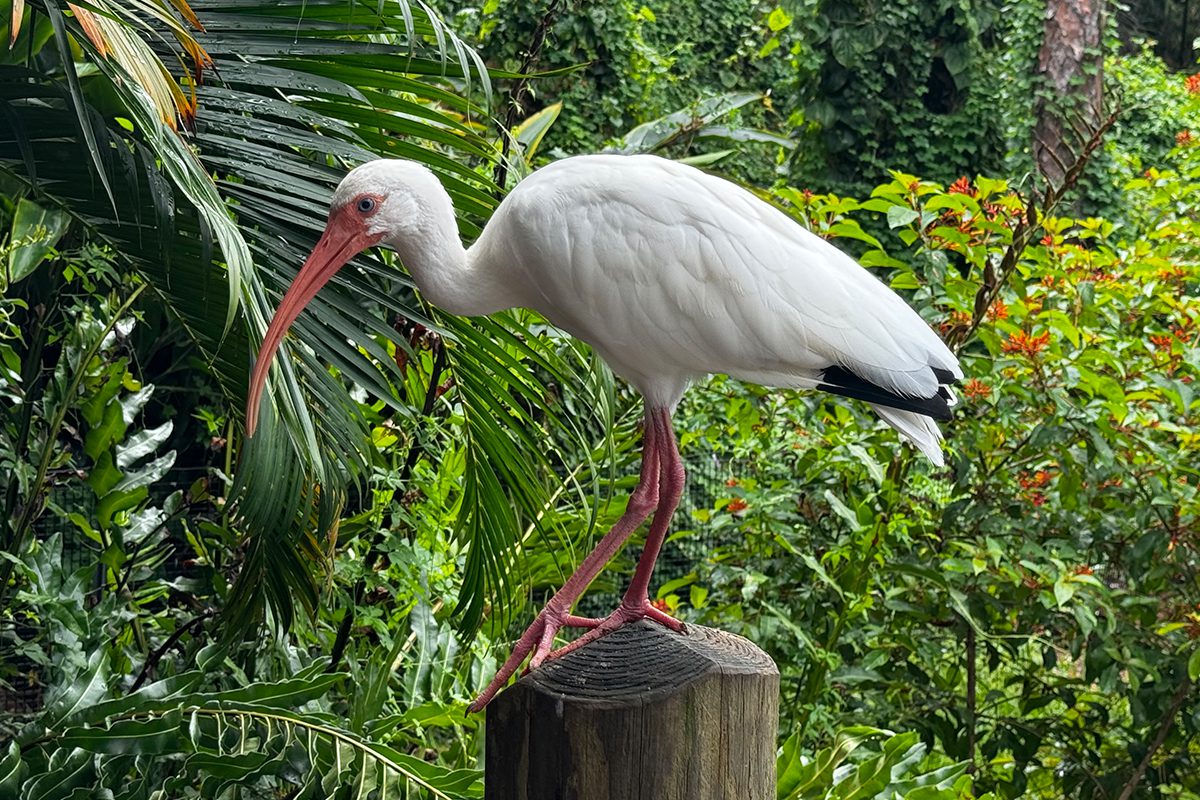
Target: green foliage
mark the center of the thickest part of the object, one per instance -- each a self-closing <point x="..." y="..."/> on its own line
<point x="632" y="63"/>
<point x="187" y="737"/>
<point x="1031" y="609"/>
<point x="941" y="88"/>
<point x="887" y="774"/>
<point x="1159" y="112"/>
<point x="936" y="87"/>
<point x="1028" y="612"/>
<point x="64" y="367"/>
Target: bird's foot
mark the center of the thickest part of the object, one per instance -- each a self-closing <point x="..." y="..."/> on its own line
<point x="538" y="639"/>
<point x="625" y="613"/>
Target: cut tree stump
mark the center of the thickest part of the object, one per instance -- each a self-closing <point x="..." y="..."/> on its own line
<point x="642" y="713"/>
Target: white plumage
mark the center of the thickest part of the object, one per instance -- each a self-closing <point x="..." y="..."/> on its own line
<point x="670" y="274"/>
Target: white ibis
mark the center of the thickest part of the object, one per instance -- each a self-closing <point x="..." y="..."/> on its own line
<point x="670" y="274"/>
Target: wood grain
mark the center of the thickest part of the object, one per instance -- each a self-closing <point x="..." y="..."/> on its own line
<point x="640" y="714"/>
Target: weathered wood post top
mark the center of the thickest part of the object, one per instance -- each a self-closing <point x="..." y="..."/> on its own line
<point x="642" y="713"/>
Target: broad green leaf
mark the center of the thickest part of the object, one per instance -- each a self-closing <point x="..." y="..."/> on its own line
<point x="151" y="736"/>
<point x="12" y="770"/>
<point x="142" y="444"/>
<point x="84" y="689"/>
<point x="35" y="232"/>
<point x="533" y="129"/>
<point x="899" y="216"/>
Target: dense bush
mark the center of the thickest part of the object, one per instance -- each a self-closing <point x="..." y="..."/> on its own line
<point x="941" y="88"/>
<point x="1033" y="608"/>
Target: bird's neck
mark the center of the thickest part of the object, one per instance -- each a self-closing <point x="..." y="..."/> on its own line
<point x="447" y="275"/>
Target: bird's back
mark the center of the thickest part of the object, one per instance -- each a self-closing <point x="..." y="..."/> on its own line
<point x="671" y="273"/>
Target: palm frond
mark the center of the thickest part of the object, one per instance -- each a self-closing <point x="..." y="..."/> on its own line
<point x="298" y="92"/>
<point x="169" y="736"/>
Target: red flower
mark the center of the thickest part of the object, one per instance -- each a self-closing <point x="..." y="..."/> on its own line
<point x="1192" y="82"/>
<point x="962" y="186"/>
<point x="1183" y="138"/>
<point x="1026" y="344"/>
<point x="1033" y="484"/>
<point x="975" y="389"/>
<point x="1162" y="341"/>
<point x="1172" y="274"/>
<point x="661" y="605"/>
<point x="999" y="310"/>
<point x="731" y="482"/>
<point x="736" y="504"/>
<point x="958" y="319"/>
<point x="1048" y="240"/>
<point x="1035" y="481"/>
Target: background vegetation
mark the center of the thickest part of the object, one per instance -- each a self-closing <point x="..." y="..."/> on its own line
<point x="307" y="613"/>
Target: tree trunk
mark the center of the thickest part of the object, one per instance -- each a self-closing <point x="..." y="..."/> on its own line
<point x="1070" y="73"/>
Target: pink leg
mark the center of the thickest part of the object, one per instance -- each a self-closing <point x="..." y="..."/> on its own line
<point x="636" y="603"/>
<point x="539" y="637"/>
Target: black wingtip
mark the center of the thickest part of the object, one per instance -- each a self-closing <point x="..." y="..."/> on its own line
<point x="840" y="381"/>
<point x="944" y="375"/>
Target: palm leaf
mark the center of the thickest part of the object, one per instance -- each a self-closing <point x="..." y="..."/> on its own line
<point x="250" y="737"/>
<point x="296" y="95"/>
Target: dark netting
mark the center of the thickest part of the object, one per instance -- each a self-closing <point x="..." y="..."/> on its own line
<point x="22" y="680"/>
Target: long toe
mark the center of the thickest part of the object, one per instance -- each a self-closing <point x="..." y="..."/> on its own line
<point x="623" y="615"/>
<point x="545" y="645"/>
<point x="538" y="639"/>
<point x="665" y="619"/>
<point x="532" y="637"/>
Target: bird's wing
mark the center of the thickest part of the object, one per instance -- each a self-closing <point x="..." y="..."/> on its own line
<point x="747" y="291"/>
<point x="670" y="272"/>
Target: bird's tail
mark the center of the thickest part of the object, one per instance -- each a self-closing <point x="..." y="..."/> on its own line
<point x="917" y="428"/>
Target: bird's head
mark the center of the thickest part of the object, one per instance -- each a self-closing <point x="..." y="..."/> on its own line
<point x="380" y="202"/>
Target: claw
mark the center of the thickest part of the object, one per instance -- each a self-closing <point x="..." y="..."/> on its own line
<point x="538" y="639"/>
<point x="625" y="614"/>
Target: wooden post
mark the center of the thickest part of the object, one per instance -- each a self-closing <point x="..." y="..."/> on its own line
<point x="642" y="713"/>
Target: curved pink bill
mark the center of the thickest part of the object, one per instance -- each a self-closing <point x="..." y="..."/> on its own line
<point x="343" y="239"/>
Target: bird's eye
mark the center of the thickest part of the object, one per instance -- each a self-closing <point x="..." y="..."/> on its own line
<point x="366" y="204"/>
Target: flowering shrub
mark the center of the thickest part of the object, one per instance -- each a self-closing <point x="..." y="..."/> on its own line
<point x="1032" y="607"/>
